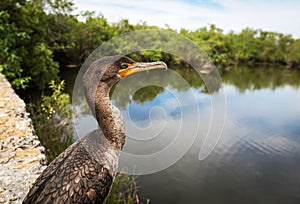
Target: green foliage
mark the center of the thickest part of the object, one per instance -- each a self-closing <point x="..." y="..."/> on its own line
<point x="247" y="47"/>
<point x="51" y="119"/>
<point x="124" y="191"/>
<point x="56" y="103"/>
<point x="60" y="6"/>
<point x="147" y="93"/>
<point x="293" y="53"/>
<point x="39" y="37"/>
<point x="93" y="32"/>
<point x="243" y="47"/>
<point x="260" y="78"/>
<point x="42" y="67"/>
<point x="27" y="59"/>
<point x="10" y="60"/>
<point x="122" y="27"/>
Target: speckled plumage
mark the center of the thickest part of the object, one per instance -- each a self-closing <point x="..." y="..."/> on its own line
<point x="78" y="175"/>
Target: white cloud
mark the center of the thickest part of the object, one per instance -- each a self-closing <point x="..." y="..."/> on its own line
<point x="278" y="16"/>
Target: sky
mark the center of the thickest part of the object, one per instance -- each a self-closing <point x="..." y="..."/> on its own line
<point x="281" y="16"/>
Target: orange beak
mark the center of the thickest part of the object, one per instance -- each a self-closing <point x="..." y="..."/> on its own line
<point x="141" y="66"/>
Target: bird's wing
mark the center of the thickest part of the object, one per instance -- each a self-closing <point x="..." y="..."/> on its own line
<point x="73" y="177"/>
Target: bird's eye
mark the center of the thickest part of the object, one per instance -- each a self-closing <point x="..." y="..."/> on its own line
<point x="124" y="65"/>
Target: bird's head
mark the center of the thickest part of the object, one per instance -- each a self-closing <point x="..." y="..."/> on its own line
<point x="118" y="67"/>
<point x="107" y="71"/>
<point x="113" y="68"/>
<point x="128" y="66"/>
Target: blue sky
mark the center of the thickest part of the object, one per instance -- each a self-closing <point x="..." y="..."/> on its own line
<point x="272" y="15"/>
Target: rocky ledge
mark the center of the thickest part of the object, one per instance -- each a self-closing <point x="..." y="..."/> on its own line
<point x="22" y="156"/>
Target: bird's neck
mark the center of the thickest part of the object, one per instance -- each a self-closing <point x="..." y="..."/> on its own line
<point x="109" y="117"/>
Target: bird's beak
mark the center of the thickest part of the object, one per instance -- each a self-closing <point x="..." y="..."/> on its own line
<point x="141" y="66"/>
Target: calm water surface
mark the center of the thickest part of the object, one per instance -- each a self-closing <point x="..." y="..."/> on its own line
<point x="257" y="159"/>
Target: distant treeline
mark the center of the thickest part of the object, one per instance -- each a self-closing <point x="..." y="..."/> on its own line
<point x="39" y="37"/>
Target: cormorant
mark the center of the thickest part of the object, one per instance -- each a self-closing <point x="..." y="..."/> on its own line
<point x="85" y="171"/>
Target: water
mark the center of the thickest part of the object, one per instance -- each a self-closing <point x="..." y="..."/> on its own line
<point x="256" y="160"/>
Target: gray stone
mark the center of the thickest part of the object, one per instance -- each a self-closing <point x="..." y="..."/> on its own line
<point x="21" y="153"/>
